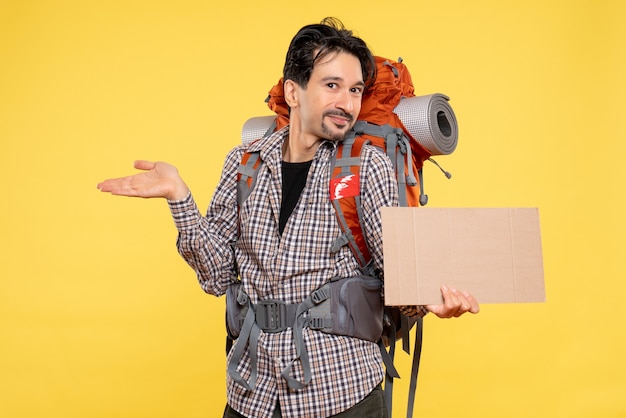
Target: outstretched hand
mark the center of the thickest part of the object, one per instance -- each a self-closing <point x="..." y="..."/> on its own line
<point x="158" y="179"/>
<point x="455" y="303"/>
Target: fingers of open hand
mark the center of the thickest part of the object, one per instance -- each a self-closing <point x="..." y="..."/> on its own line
<point x="144" y="184"/>
<point x="474" y="306"/>
<point x="122" y="186"/>
<point x="455" y="303"/>
<point x="144" y="165"/>
<point x="461" y="305"/>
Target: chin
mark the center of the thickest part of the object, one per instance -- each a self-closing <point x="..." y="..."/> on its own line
<point x="338" y="137"/>
<point x="335" y="135"/>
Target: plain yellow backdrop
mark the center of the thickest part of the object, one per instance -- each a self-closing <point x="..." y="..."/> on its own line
<point x="99" y="317"/>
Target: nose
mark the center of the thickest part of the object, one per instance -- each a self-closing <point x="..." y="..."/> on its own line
<point x="346" y="101"/>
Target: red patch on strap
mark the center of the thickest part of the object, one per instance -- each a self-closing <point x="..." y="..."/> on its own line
<point x="347" y="186"/>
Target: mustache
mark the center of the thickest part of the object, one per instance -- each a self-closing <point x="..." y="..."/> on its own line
<point x="339" y="113"/>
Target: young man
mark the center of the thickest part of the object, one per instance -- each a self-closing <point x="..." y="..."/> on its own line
<point x="278" y="242"/>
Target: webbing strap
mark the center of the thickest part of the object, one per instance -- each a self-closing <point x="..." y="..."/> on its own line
<point x="348" y="236"/>
<point x="274" y="316"/>
<point x="348" y="162"/>
<point x="410" y="176"/>
<point x="339" y="242"/>
<point x="248" y="170"/>
<point x="388" y="357"/>
<point x="390" y="372"/>
<point x="318" y="296"/>
<point x="363" y="127"/>
<point x="417" y="354"/>
<point x="301" y="352"/>
<point x="404" y="321"/>
<point x="249" y="334"/>
<point x="391" y="142"/>
<point x="345" y="147"/>
<point x="246" y="175"/>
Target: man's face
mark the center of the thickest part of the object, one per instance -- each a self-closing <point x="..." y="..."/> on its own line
<point x="331" y="102"/>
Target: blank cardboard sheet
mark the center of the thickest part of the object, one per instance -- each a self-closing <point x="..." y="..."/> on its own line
<point x="493" y="253"/>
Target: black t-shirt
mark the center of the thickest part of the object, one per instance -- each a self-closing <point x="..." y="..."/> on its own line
<point x="294" y="180"/>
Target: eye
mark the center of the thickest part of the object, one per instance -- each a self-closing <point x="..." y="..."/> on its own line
<point x="331" y="85"/>
<point x="357" y="90"/>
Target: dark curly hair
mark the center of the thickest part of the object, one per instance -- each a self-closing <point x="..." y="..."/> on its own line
<point x="314" y="42"/>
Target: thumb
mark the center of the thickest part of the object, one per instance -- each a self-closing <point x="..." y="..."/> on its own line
<point x="144" y="165"/>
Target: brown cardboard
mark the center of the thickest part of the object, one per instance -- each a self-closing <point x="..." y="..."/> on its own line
<point x="493" y="253"/>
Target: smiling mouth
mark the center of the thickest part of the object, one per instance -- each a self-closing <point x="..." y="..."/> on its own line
<point x="339" y="118"/>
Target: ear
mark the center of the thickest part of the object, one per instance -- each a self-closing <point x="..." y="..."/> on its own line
<point x="291" y="93"/>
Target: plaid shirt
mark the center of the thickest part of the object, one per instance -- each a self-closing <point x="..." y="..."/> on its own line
<point x="288" y="267"/>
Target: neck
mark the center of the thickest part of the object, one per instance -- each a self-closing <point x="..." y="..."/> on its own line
<point x="300" y="147"/>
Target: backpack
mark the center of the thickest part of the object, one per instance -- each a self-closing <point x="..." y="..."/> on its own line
<point x="409" y="129"/>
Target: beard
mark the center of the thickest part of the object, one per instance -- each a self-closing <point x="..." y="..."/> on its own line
<point x="338" y="133"/>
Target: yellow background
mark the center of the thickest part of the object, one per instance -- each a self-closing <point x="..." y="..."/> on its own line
<point x="99" y="317"/>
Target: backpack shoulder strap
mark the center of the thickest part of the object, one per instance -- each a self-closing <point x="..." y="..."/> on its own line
<point x="246" y="175"/>
<point x="345" y="197"/>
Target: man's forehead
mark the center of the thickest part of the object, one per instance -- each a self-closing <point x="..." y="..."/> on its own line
<point x="339" y="65"/>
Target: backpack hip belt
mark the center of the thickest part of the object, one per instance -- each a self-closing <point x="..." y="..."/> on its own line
<point x="350" y="306"/>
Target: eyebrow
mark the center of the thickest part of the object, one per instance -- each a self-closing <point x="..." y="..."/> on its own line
<point x="335" y="78"/>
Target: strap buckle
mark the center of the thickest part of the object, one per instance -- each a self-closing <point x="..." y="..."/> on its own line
<point x="271" y="315"/>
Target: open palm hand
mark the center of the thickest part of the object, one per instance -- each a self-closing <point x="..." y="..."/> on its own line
<point x="158" y="179"/>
